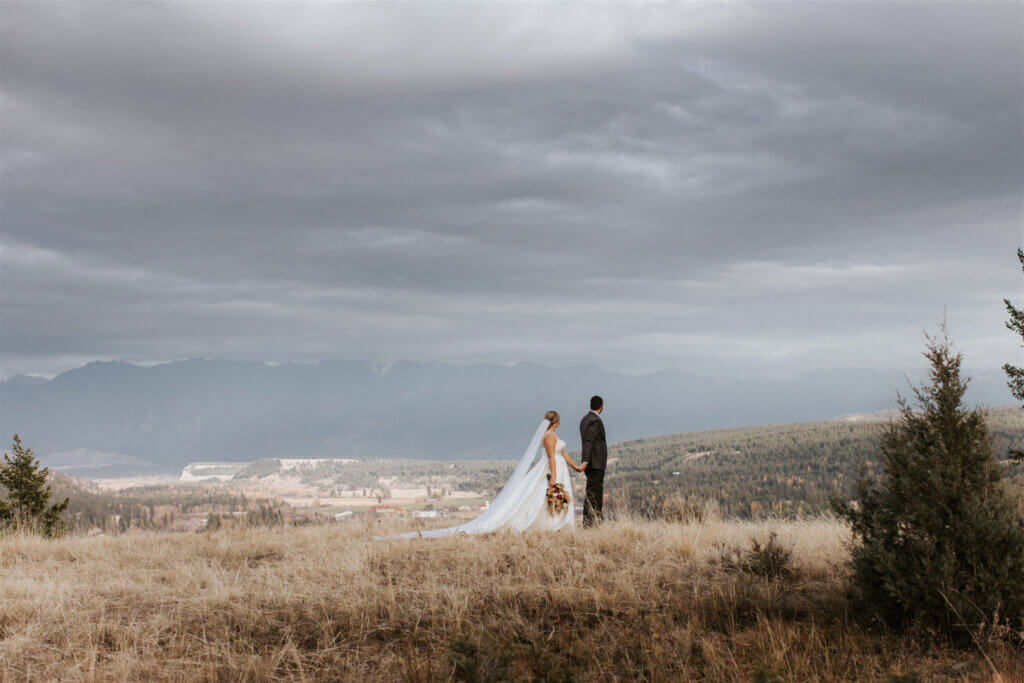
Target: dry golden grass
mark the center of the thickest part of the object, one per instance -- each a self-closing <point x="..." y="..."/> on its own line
<point x="632" y="600"/>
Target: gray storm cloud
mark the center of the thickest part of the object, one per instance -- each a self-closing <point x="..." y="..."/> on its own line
<point x="726" y="187"/>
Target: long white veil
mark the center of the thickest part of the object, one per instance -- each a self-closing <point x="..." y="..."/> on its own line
<point x="504" y="504"/>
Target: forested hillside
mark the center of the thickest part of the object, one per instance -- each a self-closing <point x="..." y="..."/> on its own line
<point x="785" y="469"/>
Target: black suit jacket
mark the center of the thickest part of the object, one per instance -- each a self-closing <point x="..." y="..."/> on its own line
<point x="595" y="447"/>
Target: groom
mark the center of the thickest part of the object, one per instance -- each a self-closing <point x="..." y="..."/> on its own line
<point x="595" y="457"/>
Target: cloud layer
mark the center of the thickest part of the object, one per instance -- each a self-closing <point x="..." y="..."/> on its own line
<point x="726" y="188"/>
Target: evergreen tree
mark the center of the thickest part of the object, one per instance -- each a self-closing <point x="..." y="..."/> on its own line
<point x="940" y="537"/>
<point x="1013" y="372"/>
<point x="28" y="494"/>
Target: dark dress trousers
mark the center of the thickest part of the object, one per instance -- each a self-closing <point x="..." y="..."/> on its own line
<point x="594" y="455"/>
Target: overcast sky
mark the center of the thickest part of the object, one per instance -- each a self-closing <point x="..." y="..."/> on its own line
<point x="724" y="188"/>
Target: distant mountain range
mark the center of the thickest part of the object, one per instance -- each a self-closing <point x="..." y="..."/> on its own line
<point x="118" y="417"/>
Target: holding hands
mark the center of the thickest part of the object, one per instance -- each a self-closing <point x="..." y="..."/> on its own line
<point x="555" y="446"/>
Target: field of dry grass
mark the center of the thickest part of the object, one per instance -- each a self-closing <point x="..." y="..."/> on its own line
<point x="632" y="600"/>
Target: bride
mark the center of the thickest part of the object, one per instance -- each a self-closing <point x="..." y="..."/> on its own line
<point x="530" y="498"/>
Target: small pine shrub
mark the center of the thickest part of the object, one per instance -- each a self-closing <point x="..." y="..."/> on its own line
<point x="27" y="506"/>
<point x="770" y="560"/>
<point x="939" y="536"/>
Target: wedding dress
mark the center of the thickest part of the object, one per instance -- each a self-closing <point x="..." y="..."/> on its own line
<point x="522" y="502"/>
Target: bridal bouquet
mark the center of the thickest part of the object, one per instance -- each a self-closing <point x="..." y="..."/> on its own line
<point x="558" y="499"/>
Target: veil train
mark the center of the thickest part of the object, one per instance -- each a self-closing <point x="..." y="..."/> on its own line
<point x="504" y="505"/>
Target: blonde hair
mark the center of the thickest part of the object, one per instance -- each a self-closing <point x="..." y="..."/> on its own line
<point x="552" y="417"/>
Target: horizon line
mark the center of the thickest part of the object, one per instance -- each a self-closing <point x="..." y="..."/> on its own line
<point x="383" y="367"/>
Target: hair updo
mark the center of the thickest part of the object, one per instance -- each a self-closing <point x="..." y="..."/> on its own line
<point x="552" y="416"/>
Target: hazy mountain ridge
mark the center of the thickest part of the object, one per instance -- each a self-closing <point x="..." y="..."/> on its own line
<point x="213" y="410"/>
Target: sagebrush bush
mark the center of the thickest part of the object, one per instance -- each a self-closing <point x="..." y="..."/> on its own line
<point x="940" y="539"/>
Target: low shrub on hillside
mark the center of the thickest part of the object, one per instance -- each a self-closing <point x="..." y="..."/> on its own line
<point x="769" y="560"/>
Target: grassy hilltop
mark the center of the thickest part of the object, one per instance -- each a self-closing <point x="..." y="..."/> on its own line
<point x="632" y="600"/>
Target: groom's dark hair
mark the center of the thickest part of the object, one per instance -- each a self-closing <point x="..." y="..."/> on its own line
<point x="596" y="402"/>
